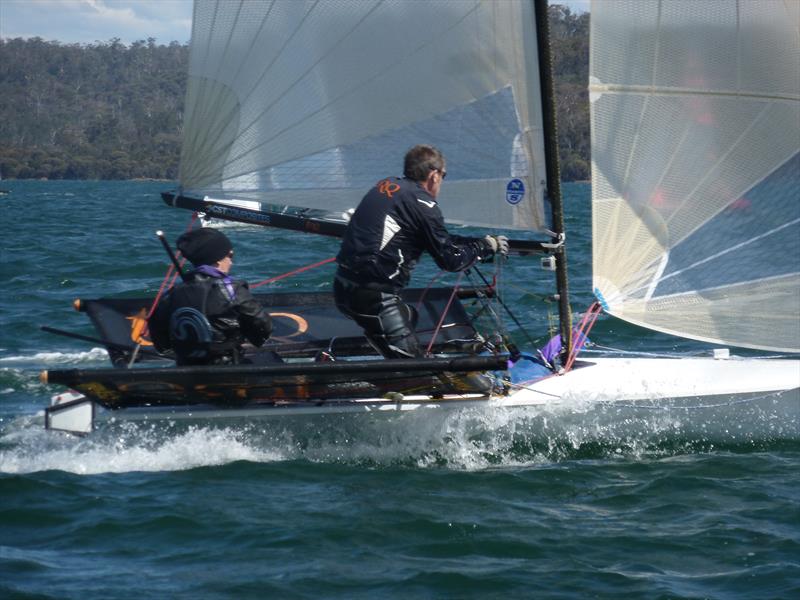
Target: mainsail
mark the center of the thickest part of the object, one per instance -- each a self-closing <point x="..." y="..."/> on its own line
<point x="308" y="103"/>
<point x="695" y="112"/>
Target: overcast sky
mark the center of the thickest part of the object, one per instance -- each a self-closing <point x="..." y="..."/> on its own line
<point x="88" y="21"/>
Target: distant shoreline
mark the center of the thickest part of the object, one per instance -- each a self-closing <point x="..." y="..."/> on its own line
<point x="48" y="179"/>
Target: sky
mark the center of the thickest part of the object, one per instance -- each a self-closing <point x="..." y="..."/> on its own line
<point x="89" y="21"/>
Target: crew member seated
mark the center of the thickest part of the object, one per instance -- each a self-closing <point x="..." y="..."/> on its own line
<point x="207" y="318"/>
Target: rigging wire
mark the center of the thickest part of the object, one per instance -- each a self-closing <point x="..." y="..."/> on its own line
<point x="502" y="332"/>
<point x="505" y="306"/>
<point x="172" y="273"/>
<point x="430" y="284"/>
<point x="588" y="321"/>
<point x="522" y="386"/>
<point x="294" y="272"/>
<point x="170" y="276"/>
<point x="444" y="313"/>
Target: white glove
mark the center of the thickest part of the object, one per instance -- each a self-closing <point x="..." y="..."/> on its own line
<point x="498" y="243"/>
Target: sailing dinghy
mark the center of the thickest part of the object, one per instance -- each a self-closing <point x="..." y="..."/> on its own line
<point x="295" y="108"/>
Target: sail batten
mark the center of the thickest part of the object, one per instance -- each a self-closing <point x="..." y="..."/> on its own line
<point x="696" y="168"/>
<point x="598" y="88"/>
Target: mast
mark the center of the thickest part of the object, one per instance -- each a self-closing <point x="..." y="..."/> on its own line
<point x="553" y="171"/>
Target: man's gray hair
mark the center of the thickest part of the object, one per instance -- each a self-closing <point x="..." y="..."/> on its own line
<point x="421" y="160"/>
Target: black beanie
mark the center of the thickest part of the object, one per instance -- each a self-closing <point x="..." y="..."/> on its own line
<point x="204" y="246"/>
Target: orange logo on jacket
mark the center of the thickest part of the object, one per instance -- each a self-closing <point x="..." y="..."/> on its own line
<point x="387" y="188"/>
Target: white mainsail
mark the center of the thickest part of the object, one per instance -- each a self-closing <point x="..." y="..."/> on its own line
<point x="696" y="167"/>
<point x="309" y="103"/>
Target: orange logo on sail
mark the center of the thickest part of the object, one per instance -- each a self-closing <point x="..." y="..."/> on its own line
<point x="387" y="188"/>
<point x="139" y="328"/>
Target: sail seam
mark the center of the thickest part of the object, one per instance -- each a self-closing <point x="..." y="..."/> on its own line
<point x="713" y="171"/>
<point x="212" y="133"/>
<point x="296" y="82"/>
<point x="212" y="157"/>
<point x="338" y="98"/>
<point x="702" y="338"/>
<point x="721" y="253"/>
<point x="676" y="91"/>
<point x="749" y="282"/>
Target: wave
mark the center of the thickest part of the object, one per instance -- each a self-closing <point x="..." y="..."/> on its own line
<point x="55" y="358"/>
<point x="28" y="448"/>
<point x="20" y="373"/>
<point x="225" y="224"/>
<point x="469" y="440"/>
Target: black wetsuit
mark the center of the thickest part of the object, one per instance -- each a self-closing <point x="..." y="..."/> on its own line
<point x="395" y="223"/>
<point x="231" y="310"/>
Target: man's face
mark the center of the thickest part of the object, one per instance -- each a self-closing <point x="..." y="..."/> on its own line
<point x="438" y="178"/>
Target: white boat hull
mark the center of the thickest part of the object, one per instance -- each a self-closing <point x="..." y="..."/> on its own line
<point x="714" y="399"/>
<point x="662" y="380"/>
<point x="731" y="399"/>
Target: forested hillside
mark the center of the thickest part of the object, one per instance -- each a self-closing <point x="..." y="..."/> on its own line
<point x="111" y="111"/>
<point x="98" y="111"/>
<point x="570" y="43"/>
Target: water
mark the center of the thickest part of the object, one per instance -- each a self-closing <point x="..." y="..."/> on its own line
<point x="468" y="504"/>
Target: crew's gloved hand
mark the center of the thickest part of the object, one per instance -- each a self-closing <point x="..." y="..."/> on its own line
<point x="498" y="243"/>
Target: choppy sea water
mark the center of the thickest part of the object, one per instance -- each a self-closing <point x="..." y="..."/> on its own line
<point x="466" y="504"/>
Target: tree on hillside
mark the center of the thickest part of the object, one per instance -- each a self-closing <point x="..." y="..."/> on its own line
<point x="570" y="43"/>
<point x="98" y="111"/>
<point x="111" y="111"/>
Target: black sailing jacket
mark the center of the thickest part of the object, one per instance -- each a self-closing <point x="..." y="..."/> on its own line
<point x="232" y="311"/>
<point x="396" y="221"/>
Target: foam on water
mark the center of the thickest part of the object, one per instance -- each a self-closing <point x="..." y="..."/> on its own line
<point x="56" y="358"/>
<point x="19" y="375"/>
<point x="224" y="224"/>
<point x="464" y="439"/>
<point x="127" y="449"/>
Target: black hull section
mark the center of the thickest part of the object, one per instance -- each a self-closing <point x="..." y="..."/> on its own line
<point x="247" y="385"/>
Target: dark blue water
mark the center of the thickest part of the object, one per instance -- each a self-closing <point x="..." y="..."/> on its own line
<point x="469" y="504"/>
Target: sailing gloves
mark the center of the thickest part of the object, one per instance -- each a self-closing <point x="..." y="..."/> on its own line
<point x="498" y="243"/>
